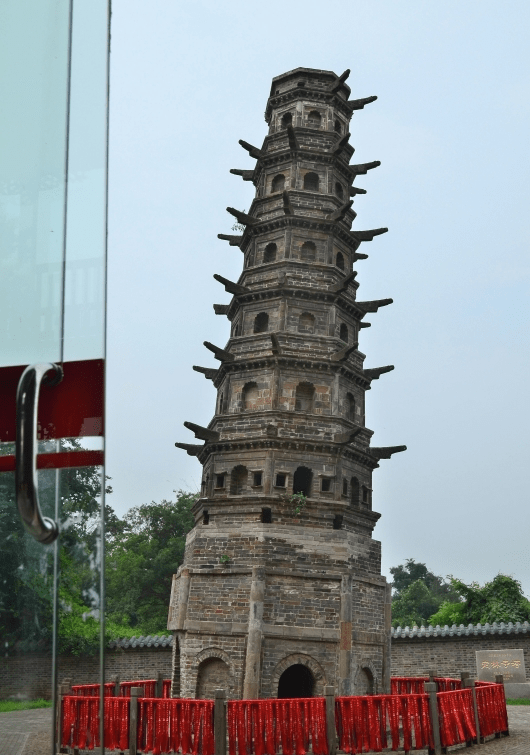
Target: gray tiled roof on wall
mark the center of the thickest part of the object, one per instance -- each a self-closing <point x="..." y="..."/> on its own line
<point x="151" y="641"/>
<point x="461" y="631"/>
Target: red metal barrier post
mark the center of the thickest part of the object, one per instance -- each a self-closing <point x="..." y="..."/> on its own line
<point x="133" y="718"/>
<point x="331" y="733"/>
<point x="219" y="722"/>
<point x="430" y="688"/>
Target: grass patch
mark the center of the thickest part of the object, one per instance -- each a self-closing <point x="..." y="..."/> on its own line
<point x="8" y="705"/>
<point x="518" y="701"/>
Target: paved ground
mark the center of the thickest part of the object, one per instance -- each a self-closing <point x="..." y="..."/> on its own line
<point x="26" y="732"/>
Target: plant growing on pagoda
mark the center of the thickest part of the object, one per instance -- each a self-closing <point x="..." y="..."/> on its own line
<point x="299" y="502"/>
<point x="238" y="226"/>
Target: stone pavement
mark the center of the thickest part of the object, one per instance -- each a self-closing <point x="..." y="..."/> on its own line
<point x="26" y="732"/>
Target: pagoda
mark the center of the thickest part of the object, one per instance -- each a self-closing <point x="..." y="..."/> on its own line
<point x="280" y="592"/>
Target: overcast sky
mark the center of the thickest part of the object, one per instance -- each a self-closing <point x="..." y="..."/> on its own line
<point x="451" y="128"/>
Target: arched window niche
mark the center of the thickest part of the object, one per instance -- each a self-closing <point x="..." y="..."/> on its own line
<point x="304" y="397"/>
<point x="261" y="323"/>
<point x="306" y="323"/>
<point x="339" y="261"/>
<point x="343" y="332"/>
<point x="269" y="255"/>
<point x="337" y="126"/>
<point x="302" y="480"/>
<point x="250" y="397"/>
<point x="211" y="673"/>
<point x="287" y="120"/>
<point x="238" y="480"/>
<point x="278" y="183"/>
<point x="364" y="681"/>
<point x="311" y="182"/>
<point x="308" y="252"/>
<point x="314" y="119"/>
<point x="339" y="191"/>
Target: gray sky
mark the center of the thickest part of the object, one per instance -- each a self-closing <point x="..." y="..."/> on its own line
<point x="451" y="128"/>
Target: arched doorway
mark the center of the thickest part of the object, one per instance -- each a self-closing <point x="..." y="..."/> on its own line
<point x="296" y="681"/>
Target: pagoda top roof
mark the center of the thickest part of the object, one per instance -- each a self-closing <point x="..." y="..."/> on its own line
<point x="318" y="78"/>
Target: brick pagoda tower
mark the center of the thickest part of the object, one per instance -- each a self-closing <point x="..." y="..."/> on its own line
<point x="280" y="594"/>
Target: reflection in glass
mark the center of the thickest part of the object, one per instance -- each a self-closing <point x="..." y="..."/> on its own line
<point x="28" y="589"/>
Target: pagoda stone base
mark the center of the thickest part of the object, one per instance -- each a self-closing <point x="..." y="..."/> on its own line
<point x="239" y="625"/>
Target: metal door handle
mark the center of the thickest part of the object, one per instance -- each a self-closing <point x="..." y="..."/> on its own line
<point x="43" y="529"/>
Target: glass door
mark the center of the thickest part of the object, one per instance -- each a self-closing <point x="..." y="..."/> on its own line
<point x="53" y="226"/>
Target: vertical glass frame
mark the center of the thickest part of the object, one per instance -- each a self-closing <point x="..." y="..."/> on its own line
<point x="54" y="84"/>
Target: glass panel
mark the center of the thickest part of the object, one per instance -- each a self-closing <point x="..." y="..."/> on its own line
<point x="34" y="40"/>
<point x="87" y="177"/>
<point x="53" y="85"/>
<point x="34" y="75"/>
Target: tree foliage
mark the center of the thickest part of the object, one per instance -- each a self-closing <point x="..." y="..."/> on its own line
<point x="418" y="593"/>
<point x="502" y="599"/>
<point x="415" y="603"/>
<point x="420" y="597"/>
<point x="411" y="571"/>
<point x="142" y="559"/>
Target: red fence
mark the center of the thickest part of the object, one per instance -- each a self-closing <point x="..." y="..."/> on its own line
<point x="80" y="722"/>
<point x="415" y="685"/>
<point x="264" y="727"/>
<point x="178" y="725"/>
<point x="149" y="687"/>
<point x="457" y="717"/>
<point x="491" y="705"/>
<point x="365" y="723"/>
<point x="164" y="725"/>
<point x="92" y="690"/>
<point x="409" y="721"/>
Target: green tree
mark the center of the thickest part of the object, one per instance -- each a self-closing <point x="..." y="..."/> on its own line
<point x="502" y="599"/>
<point x="415" y="603"/>
<point x="406" y="574"/>
<point x="141" y="561"/>
<point x="418" y="593"/>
